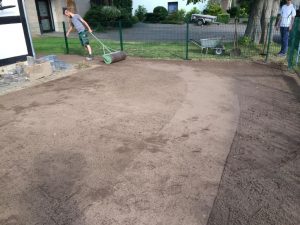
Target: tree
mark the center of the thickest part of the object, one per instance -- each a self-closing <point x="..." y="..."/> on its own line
<point x="259" y="18"/>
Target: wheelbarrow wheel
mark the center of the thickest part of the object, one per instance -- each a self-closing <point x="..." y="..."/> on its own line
<point x="218" y="51"/>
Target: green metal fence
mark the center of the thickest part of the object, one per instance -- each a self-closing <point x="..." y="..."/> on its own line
<point x="294" y="46"/>
<point x="173" y="41"/>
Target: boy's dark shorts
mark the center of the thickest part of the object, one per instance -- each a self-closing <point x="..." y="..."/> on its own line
<point x="84" y="39"/>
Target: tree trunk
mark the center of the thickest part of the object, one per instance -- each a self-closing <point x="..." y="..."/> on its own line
<point x="253" y="27"/>
<point x="261" y="13"/>
<point x="270" y="9"/>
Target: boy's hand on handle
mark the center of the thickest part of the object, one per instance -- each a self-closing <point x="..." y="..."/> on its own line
<point x="90" y="30"/>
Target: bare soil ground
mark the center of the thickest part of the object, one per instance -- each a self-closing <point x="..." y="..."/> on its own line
<point x="146" y="142"/>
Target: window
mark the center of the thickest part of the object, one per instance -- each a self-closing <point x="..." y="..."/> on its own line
<point x="172" y="7"/>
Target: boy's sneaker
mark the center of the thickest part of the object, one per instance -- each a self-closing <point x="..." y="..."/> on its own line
<point x="89" y="58"/>
<point x="281" y="54"/>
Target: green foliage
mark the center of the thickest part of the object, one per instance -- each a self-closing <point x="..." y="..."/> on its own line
<point x="243" y="12"/>
<point x="238" y="12"/>
<point x="126" y="18"/>
<point x="135" y="19"/>
<point x="213" y="9"/>
<point x="106" y="16"/>
<point x="234" y="12"/>
<point x="246" y="6"/>
<point x="160" y="12"/>
<point x="175" y="18"/>
<point x="140" y="12"/>
<point x="110" y="13"/>
<point x="93" y="17"/>
<point x="151" y="18"/>
<point x="124" y="4"/>
<point x="245" y="41"/>
<point x="223" y="18"/>
<point x="188" y="15"/>
<point x="194" y="1"/>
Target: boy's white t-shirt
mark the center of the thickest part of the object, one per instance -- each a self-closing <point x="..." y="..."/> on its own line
<point x="287" y="12"/>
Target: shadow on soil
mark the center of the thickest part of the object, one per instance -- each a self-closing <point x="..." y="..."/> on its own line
<point x="53" y="194"/>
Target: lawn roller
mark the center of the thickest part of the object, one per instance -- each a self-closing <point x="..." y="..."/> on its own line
<point x="109" y="55"/>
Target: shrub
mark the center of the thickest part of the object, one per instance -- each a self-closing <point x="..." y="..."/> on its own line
<point x="124" y="4"/>
<point x="234" y="12"/>
<point x="126" y="18"/>
<point x="189" y="13"/>
<point x="151" y="18"/>
<point x="175" y="18"/>
<point x="160" y="12"/>
<point x="213" y="9"/>
<point x="243" y="13"/>
<point x="223" y="18"/>
<point x="238" y="12"/>
<point x="140" y="12"/>
<point x="110" y="13"/>
<point x="94" y="17"/>
<point x="135" y="19"/>
<point x="245" y="41"/>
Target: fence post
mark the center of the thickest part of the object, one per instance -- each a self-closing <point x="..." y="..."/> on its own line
<point x="121" y="35"/>
<point x="269" y="38"/>
<point x="66" y="39"/>
<point x="187" y="41"/>
<point x="293" y="44"/>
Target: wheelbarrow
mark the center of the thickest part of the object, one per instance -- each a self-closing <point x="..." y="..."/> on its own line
<point x="210" y="43"/>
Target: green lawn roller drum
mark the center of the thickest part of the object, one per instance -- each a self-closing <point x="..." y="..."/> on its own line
<point x="109" y="55"/>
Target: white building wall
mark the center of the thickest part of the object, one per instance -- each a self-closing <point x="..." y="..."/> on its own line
<point x="57" y="13"/>
<point x="32" y="17"/>
<point x="150" y="5"/>
<point x="82" y="7"/>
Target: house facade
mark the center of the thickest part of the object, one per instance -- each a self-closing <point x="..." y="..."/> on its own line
<point x="47" y="15"/>
<point x="15" y="44"/>
<point x="170" y="5"/>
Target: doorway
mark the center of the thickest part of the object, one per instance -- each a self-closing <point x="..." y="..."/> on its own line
<point x="45" y="15"/>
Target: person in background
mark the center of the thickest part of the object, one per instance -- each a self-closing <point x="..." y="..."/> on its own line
<point x="77" y="22"/>
<point x="285" y="24"/>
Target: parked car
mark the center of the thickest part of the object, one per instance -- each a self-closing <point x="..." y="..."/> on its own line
<point x="201" y="19"/>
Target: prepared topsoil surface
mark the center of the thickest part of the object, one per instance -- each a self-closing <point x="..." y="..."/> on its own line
<point x="145" y="142"/>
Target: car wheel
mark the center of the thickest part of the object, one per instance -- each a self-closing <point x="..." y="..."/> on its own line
<point x="200" y="22"/>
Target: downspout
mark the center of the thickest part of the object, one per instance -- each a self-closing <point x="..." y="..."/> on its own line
<point x="29" y="31"/>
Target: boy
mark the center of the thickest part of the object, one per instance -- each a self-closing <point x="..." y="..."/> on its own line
<point x="287" y="16"/>
<point x="80" y="25"/>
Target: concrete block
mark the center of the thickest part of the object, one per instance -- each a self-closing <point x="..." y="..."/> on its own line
<point x="38" y="71"/>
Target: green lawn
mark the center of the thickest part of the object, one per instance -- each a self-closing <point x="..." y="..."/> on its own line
<point x="158" y="50"/>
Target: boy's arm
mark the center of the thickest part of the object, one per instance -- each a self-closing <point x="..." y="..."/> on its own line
<point x="70" y="29"/>
<point x="278" y="23"/>
<point x="86" y="24"/>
